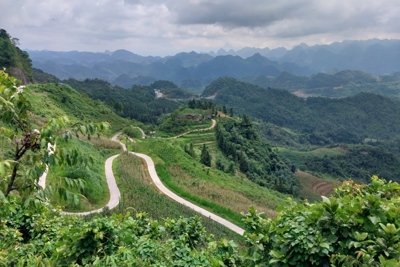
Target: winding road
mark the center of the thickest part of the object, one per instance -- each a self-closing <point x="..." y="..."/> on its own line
<point x="115" y="194"/>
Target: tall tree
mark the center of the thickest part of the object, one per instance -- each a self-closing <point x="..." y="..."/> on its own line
<point x="205" y="156"/>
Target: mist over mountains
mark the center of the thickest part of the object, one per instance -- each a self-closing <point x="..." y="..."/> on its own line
<point x="196" y="70"/>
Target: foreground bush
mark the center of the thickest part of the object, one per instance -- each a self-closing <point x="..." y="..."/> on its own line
<point x="358" y="226"/>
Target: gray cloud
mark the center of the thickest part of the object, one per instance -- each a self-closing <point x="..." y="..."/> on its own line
<point x="236" y="13"/>
<point x="162" y="27"/>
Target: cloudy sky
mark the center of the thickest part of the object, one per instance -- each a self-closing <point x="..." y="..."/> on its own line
<point x="166" y="27"/>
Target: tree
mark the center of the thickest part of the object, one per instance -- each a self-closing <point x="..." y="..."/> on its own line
<point x="205" y="156"/>
<point x="231" y="112"/>
<point x="27" y="151"/>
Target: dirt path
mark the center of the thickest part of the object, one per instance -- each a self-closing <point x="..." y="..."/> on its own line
<point x="213" y="123"/>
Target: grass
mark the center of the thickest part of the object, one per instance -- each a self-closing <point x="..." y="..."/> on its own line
<point x="139" y="194"/>
<point x="55" y="100"/>
<point x="205" y="185"/>
<point x="211" y="206"/>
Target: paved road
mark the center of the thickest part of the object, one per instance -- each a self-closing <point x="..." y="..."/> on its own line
<point x="115" y="194"/>
<point x="169" y="193"/>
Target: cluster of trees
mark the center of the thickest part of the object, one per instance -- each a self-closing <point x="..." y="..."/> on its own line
<point x="241" y="144"/>
<point x="201" y="104"/>
<point x="205" y="156"/>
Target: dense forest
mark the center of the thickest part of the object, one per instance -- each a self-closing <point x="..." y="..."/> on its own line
<point x="241" y="144"/>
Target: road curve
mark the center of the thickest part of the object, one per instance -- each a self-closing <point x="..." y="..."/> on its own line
<point x="115" y="194"/>
<point x="169" y="193"/>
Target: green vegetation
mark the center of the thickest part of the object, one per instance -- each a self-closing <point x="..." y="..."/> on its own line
<point x="240" y="143"/>
<point x="42" y="77"/>
<point x="139" y="194"/>
<point x="139" y="102"/>
<point x="338" y="85"/>
<point x="54" y="100"/>
<point x="357" y="162"/>
<point x="317" y="121"/>
<point x="208" y="187"/>
<point x="13" y="59"/>
<point x="195" y="116"/>
<point x="94" y="193"/>
<point x="27" y="150"/>
<point x="357" y="226"/>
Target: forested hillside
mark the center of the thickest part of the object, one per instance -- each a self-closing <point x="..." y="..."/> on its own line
<point x="139" y="102"/>
<point x="240" y="143"/>
<point x="338" y="85"/>
<point x="320" y="121"/>
<point x="16" y="61"/>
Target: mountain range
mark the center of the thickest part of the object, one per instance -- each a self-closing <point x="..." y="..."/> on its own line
<point x="195" y="71"/>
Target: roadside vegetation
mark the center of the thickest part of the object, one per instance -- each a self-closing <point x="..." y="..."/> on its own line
<point x="140" y="195"/>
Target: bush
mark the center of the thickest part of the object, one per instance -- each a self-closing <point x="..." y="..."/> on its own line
<point x="358" y="226"/>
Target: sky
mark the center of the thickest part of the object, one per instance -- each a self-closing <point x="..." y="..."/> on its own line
<point x="167" y="27"/>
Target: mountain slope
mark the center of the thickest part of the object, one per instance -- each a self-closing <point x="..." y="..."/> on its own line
<point x="321" y="120"/>
<point x="13" y="59"/>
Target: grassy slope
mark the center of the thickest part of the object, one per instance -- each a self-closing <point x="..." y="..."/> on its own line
<point x="52" y="101"/>
<point x="207" y="185"/>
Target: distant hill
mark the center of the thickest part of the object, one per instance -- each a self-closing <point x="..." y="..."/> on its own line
<point x="379" y="57"/>
<point x="321" y="121"/>
<point x="194" y="71"/>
